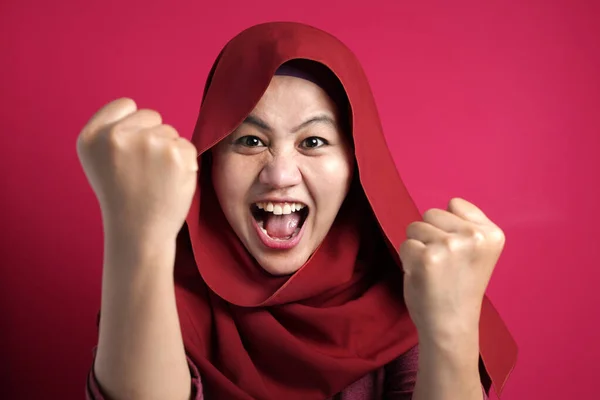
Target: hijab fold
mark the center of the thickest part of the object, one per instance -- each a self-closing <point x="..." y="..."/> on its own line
<point x="342" y="315"/>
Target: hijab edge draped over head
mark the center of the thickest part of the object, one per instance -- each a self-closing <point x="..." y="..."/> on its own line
<point x="236" y="320"/>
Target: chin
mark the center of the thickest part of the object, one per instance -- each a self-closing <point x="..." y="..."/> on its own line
<point x="281" y="264"/>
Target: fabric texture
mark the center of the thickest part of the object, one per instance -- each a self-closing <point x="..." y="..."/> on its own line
<point x="395" y="381"/>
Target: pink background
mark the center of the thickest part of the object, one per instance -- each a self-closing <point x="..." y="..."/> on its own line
<point x="496" y="103"/>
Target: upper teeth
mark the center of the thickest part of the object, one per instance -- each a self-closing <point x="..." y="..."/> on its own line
<point x="280" y="208"/>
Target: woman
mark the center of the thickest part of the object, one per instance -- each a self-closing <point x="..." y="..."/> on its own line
<point x="285" y="281"/>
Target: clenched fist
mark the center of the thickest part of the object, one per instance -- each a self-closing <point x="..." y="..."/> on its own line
<point x="448" y="260"/>
<point x="142" y="172"/>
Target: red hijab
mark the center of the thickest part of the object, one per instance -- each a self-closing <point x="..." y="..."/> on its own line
<point x="342" y="315"/>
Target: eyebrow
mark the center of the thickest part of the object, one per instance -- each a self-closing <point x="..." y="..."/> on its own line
<point x="262" y="125"/>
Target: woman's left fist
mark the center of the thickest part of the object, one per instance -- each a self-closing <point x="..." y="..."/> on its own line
<point x="448" y="259"/>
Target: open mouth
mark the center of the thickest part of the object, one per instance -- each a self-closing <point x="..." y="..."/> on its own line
<point x="280" y="221"/>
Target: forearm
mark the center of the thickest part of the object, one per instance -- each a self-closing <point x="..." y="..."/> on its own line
<point x="448" y="368"/>
<point x="140" y="350"/>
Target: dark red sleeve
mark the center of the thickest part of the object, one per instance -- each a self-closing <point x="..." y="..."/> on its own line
<point x="94" y="392"/>
<point x="401" y="377"/>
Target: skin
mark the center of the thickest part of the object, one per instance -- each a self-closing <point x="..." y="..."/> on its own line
<point x="448" y="258"/>
<point x="144" y="176"/>
<point x="284" y="154"/>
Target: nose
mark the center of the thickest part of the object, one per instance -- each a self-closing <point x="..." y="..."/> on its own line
<point x="281" y="172"/>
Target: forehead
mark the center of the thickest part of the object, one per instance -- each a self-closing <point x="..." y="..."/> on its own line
<point x="289" y="95"/>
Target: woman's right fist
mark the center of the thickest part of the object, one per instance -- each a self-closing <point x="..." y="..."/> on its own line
<point x="142" y="172"/>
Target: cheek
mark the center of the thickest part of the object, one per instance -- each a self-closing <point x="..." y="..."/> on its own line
<point x="230" y="187"/>
<point x="332" y="177"/>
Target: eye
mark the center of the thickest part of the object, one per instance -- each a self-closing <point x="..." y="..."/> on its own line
<point x="313" y="142"/>
<point x="249" y="141"/>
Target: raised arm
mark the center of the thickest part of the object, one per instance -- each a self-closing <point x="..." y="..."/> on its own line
<point x="144" y="176"/>
<point x="448" y="259"/>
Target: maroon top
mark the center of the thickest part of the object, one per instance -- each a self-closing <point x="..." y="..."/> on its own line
<point x="396" y="381"/>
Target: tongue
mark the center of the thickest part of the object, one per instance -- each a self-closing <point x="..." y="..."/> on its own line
<point x="281" y="226"/>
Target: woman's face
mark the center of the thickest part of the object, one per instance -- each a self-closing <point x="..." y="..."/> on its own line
<point x="283" y="174"/>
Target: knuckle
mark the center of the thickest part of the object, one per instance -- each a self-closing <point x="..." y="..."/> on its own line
<point x="403" y="250"/>
<point x="82" y="142"/>
<point x="431" y="257"/>
<point x="161" y="145"/>
<point x="497" y="236"/>
<point x="428" y="215"/>
<point x="170" y="129"/>
<point x="186" y="145"/>
<point x="411" y="228"/>
<point x="452" y="243"/>
<point x="151" y="114"/>
<point x="151" y="141"/>
<point x="88" y="135"/>
<point x="81" y="148"/>
<point x="124" y="102"/>
<point x="475" y="236"/>
<point x="85" y="133"/>
<point x="116" y="137"/>
<point x="455" y="203"/>
<point x="191" y="150"/>
<point x="432" y="214"/>
<point x="173" y="152"/>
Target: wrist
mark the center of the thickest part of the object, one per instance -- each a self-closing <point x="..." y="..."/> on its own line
<point x="458" y="347"/>
<point x="127" y="252"/>
<point x="459" y="327"/>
